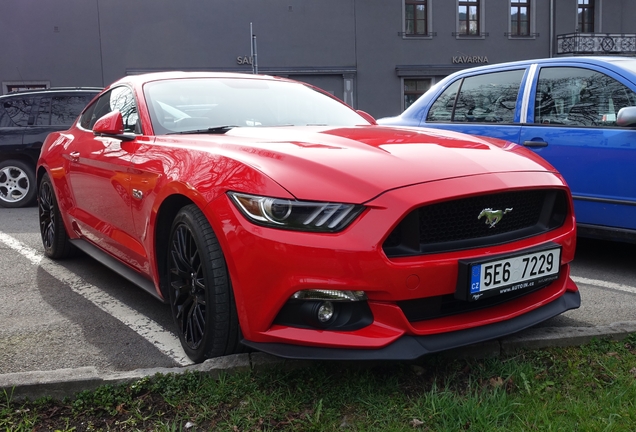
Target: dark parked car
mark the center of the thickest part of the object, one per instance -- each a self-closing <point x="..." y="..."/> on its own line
<point x="578" y="113"/>
<point x="26" y="118"/>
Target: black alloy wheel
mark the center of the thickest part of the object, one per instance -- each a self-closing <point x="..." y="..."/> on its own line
<point x="201" y="295"/>
<point x="54" y="237"/>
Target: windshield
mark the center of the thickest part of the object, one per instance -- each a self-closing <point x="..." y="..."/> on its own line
<point x="199" y="104"/>
<point x="627" y="63"/>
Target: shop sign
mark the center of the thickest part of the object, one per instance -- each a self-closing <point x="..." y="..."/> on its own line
<point x="244" y="60"/>
<point x="470" y="59"/>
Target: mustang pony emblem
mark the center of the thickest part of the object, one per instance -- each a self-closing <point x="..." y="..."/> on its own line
<point x="493" y="216"/>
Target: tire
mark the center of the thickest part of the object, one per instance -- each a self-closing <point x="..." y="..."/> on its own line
<point x="201" y="296"/>
<point x="54" y="237"/>
<point x="17" y="184"/>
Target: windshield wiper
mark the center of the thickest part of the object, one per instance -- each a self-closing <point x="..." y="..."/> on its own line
<point x="211" y="130"/>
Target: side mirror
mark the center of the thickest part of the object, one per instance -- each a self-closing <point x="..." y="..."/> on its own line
<point x="368" y="117"/>
<point x="626" y="117"/>
<point x="111" y="124"/>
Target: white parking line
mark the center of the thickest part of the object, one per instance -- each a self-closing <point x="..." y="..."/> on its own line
<point x="604" y="284"/>
<point x="163" y="340"/>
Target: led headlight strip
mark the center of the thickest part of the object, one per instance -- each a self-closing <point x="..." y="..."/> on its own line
<point x="296" y="215"/>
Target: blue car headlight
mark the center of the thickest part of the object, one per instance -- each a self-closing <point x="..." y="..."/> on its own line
<point x="296" y="215"/>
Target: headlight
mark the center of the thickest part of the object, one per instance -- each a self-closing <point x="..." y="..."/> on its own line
<point x="296" y="215"/>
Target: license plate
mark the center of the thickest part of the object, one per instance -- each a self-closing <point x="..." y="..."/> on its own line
<point x="511" y="273"/>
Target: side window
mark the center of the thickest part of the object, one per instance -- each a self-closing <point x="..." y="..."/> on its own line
<point x="122" y="99"/>
<point x="43" y="117"/>
<point x="65" y="109"/>
<point x="119" y="98"/>
<point x="442" y="108"/>
<point x="488" y="98"/>
<point x="17" y="111"/>
<point x="579" y="97"/>
<point x="5" y="120"/>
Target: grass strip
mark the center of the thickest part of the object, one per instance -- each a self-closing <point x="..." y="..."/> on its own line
<point x="587" y="388"/>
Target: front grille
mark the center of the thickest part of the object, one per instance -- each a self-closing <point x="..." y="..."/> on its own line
<point x="455" y="225"/>
<point x="446" y="305"/>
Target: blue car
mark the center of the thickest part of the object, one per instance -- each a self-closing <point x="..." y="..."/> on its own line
<point x="578" y="113"/>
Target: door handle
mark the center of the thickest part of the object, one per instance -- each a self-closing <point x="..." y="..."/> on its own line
<point x="75" y="155"/>
<point x="535" y="143"/>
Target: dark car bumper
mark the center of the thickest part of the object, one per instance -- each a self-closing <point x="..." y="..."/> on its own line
<point x="413" y="347"/>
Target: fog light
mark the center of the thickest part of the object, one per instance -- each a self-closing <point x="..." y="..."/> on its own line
<point x="325" y="311"/>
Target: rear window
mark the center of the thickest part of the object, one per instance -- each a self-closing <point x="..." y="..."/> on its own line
<point x="15" y="112"/>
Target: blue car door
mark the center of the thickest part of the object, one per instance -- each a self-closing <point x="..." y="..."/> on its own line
<point x="572" y="124"/>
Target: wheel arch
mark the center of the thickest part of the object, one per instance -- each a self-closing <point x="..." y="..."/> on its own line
<point x="165" y="215"/>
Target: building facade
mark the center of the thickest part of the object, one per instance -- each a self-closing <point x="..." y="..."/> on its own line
<point x="376" y="55"/>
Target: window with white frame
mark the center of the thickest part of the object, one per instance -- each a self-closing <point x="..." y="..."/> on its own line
<point x="585" y="14"/>
<point x="417" y="18"/>
<point x="414" y="88"/>
<point x="520" y="20"/>
<point x="470" y="18"/>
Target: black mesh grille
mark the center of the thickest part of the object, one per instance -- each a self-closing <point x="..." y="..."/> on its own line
<point x="455" y="225"/>
<point x="446" y="305"/>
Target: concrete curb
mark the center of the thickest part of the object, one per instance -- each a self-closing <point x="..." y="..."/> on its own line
<point x="62" y="383"/>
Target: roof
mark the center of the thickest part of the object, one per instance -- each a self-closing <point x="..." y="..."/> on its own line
<point x="54" y="90"/>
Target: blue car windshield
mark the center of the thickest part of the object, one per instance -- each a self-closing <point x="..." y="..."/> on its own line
<point x="627" y="64"/>
<point x="218" y="104"/>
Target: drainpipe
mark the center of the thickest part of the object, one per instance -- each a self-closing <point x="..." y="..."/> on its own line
<point x="551" y="28"/>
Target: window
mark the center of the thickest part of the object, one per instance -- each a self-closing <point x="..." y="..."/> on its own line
<point x="487" y="98"/>
<point x="413" y="89"/>
<point x="416" y="17"/>
<point x="520" y="18"/>
<point x="16" y="112"/>
<point x="44" y="112"/>
<point x="119" y="98"/>
<point x="65" y="109"/>
<point x="586" y="16"/>
<point x="579" y="97"/>
<point x="469" y="17"/>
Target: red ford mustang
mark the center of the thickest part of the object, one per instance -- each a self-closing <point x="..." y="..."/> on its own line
<point x="271" y="215"/>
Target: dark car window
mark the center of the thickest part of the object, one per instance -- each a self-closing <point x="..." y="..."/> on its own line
<point x="5" y="120"/>
<point x="65" y="109"/>
<point x="60" y="110"/>
<point x="579" y="97"/>
<point x="487" y="98"/>
<point x="119" y="98"/>
<point x="17" y="112"/>
<point x="442" y="108"/>
<point x="43" y="116"/>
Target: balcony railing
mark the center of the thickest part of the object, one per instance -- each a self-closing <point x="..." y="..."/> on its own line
<point x="596" y="43"/>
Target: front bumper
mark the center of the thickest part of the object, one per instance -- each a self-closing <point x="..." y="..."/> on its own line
<point x="413" y="347"/>
<point x="267" y="266"/>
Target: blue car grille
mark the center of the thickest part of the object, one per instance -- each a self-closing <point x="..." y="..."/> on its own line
<point x="456" y="225"/>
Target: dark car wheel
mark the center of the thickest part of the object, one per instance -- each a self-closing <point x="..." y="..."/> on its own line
<point x="54" y="236"/>
<point x="201" y="294"/>
<point x="17" y="184"/>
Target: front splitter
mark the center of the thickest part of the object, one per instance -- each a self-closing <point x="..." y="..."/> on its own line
<point x="413" y="347"/>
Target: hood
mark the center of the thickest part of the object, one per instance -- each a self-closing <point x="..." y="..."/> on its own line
<point x="356" y="164"/>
